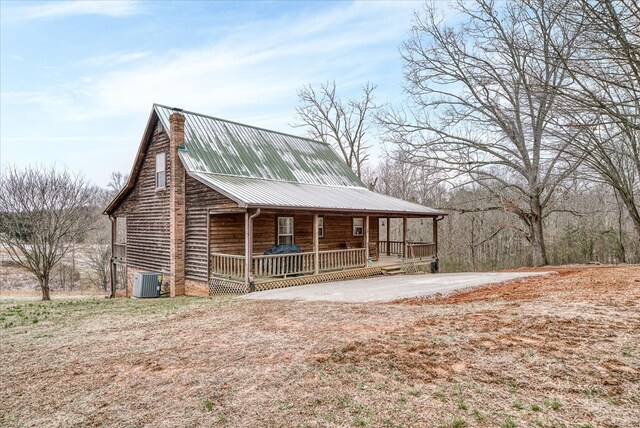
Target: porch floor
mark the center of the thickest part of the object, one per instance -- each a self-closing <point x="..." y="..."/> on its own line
<point x="386" y="261"/>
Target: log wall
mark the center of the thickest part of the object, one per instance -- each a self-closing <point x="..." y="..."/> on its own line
<point x="199" y="199"/>
<point x="147" y="211"/>
<point x="227" y="233"/>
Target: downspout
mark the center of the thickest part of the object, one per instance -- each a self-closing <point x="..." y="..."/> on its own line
<point x="111" y="270"/>
<point x="249" y="255"/>
<point x="255" y="214"/>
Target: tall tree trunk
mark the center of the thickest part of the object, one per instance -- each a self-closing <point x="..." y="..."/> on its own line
<point x="622" y="252"/>
<point x="473" y="246"/>
<point x="538" y="248"/>
<point x="44" y="286"/>
<point x="634" y="213"/>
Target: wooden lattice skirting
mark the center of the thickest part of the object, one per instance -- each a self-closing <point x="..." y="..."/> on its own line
<point x="224" y="286"/>
<point x="219" y="286"/>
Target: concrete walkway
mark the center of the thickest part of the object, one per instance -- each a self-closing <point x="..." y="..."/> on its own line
<point x="387" y="288"/>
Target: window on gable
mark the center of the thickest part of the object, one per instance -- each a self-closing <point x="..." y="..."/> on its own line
<point x="121" y="230"/>
<point x="358" y="226"/>
<point x="285" y="230"/>
<point x="320" y="227"/>
<point x="161" y="174"/>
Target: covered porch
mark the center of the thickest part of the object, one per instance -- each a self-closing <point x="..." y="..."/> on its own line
<point x="328" y="246"/>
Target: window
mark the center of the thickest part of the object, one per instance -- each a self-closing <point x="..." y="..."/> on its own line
<point x="320" y="227"/>
<point x="161" y="177"/>
<point x="285" y="230"/>
<point x="358" y="226"/>
<point x="121" y="230"/>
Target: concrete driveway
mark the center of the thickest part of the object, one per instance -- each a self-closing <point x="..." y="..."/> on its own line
<point x="387" y="288"/>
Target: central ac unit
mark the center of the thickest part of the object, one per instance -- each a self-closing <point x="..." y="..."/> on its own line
<point x="146" y="284"/>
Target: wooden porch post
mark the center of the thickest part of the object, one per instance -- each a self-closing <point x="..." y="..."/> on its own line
<point x="112" y="268"/>
<point x="366" y="241"/>
<point x="404" y="237"/>
<point x="208" y="247"/>
<point x="435" y="235"/>
<point x="388" y="236"/>
<point x="316" y="245"/>
<point x="248" y="249"/>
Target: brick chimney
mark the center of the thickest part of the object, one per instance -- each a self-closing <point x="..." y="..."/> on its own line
<point x="177" y="204"/>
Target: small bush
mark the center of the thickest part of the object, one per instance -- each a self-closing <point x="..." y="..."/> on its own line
<point x="458" y="423"/>
<point x="361" y="421"/>
<point x="508" y="423"/>
<point x="208" y="405"/>
<point x="552" y="403"/>
<point x="476" y="414"/>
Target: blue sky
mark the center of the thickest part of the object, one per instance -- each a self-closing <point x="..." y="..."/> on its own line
<point x="78" y="79"/>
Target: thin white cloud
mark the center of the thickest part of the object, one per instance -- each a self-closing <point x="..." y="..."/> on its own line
<point x="73" y="8"/>
<point x="258" y="64"/>
<point x="249" y="74"/>
<point x="113" y="59"/>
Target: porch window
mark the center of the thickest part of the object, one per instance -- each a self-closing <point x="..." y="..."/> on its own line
<point x="160" y="171"/>
<point x="285" y="230"/>
<point x="121" y="230"/>
<point x="320" y="227"/>
<point x="358" y="226"/>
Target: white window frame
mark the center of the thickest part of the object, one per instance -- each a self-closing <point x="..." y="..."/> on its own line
<point x="121" y="230"/>
<point x="286" y="219"/>
<point x="320" y="227"/>
<point x="358" y="229"/>
<point x="161" y="170"/>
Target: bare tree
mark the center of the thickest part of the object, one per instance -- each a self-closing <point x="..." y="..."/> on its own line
<point x="482" y="95"/>
<point x="116" y="184"/>
<point x="98" y="258"/>
<point x="342" y="124"/>
<point x="43" y="212"/>
<point x="603" y="100"/>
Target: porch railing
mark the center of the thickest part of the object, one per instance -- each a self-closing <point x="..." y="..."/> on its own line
<point x="390" y="247"/>
<point x="342" y="259"/>
<point x="120" y="252"/>
<point x="421" y="250"/>
<point x="282" y="264"/>
<point x="415" y="250"/>
<point x="227" y="265"/>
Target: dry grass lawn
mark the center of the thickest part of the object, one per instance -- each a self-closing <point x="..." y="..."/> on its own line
<point x="557" y="351"/>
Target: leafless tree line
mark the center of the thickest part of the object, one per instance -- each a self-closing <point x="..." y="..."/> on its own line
<point x="517" y="103"/>
<point x="587" y="223"/>
<point x="51" y="225"/>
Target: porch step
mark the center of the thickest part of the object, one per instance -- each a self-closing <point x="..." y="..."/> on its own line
<point x="393" y="270"/>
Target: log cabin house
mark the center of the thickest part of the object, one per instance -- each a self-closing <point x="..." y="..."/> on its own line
<point x="206" y="198"/>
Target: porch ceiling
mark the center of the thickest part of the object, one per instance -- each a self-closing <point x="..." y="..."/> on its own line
<point x="261" y="193"/>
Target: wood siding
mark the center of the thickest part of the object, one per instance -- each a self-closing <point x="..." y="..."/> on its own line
<point x="227" y="233"/>
<point x="147" y="211"/>
<point x="199" y="199"/>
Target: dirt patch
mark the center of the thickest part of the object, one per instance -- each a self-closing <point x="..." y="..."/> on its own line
<point x="544" y="351"/>
<point x="584" y="281"/>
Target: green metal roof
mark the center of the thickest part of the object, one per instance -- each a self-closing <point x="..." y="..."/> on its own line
<point x="260" y="168"/>
<point x="217" y="146"/>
